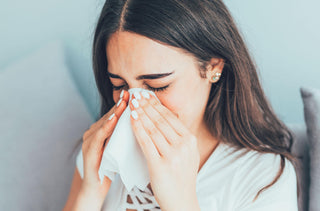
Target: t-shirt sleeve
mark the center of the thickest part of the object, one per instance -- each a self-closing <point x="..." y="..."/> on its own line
<point x="282" y="195"/>
<point x="79" y="163"/>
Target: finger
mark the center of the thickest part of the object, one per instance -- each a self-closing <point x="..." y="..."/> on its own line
<point x="156" y="136"/>
<point x="159" y="121"/>
<point x="147" y="146"/>
<point x="119" y="106"/>
<point x="172" y="119"/>
<point x="95" y="126"/>
<point x="107" y="127"/>
<point x="97" y="139"/>
<point x="117" y="109"/>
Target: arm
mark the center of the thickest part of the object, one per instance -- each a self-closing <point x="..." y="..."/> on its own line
<point x="74" y="191"/>
<point x="90" y="198"/>
<point x="191" y="204"/>
<point x="84" y="197"/>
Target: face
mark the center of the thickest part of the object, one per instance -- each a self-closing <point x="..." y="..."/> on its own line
<point x="137" y="61"/>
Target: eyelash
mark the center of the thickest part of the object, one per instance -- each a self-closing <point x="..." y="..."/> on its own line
<point x="149" y="87"/>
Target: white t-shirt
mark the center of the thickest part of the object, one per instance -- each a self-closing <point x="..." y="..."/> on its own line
<point x="228" y="181"/>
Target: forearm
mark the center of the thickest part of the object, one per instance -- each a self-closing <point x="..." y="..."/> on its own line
<point x="192" y="205"/>
<point x="88" y="200"/>
<point x="189" y="203"/>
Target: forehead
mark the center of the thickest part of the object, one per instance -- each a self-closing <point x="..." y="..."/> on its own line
<point x="128" y="51"/>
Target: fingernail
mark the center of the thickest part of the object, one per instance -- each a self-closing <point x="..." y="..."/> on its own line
<point x="135" y="103"/>
<point x="137" y="95"/>
<point x="145" y="94"/>
<point x="121" y="94"/>
<point x="111" y="116"/>
<point x="134" y="114"/>
<point x="119" y="102"/>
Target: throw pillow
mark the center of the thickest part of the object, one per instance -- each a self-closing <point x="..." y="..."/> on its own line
<point x="42" y="116"/>
<point x="311" y="102"/>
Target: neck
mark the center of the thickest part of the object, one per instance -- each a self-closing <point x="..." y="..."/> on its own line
<point x="206" y="142"/>
<point x="205" y="139"/>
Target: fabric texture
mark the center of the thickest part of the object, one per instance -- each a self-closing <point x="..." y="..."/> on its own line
<point x="311" y="102"/>
<point x="228" y="181"/>
<point x="41" y="117"/>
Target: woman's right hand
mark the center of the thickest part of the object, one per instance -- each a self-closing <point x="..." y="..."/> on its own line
<point x="95" y="139"/>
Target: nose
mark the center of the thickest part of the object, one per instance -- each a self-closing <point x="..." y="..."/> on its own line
<point x="134" y="85"/>
<point x="135" y="90"/>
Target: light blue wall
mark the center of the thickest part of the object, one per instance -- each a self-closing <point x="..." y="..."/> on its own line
<point x="28" y="25"/>
<point x="283" y="37"/>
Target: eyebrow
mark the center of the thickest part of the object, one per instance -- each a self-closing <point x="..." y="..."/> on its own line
<point x="148" y="76"/>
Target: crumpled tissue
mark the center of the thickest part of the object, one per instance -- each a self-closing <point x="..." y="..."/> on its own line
<point x="123" y="154"/>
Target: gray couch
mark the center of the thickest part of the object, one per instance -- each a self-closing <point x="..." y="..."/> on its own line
<point x="300" y="148"/>
<point x="42" y="119"/>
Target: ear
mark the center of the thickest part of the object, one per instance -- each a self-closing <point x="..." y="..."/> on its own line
<point x="214" y="69"/>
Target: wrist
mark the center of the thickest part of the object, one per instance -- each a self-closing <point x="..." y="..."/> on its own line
<point x="91" y="196"/>
<point x="87" y="200"/>
<point x="189" y="204"/>
<point x="98" y="189"/>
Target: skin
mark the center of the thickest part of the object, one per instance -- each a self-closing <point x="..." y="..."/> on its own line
<point x="181" y="111"/>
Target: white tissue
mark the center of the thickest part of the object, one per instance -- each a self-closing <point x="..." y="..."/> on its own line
<point x="123" y="154"/>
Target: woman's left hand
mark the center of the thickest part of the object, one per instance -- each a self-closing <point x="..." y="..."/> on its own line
<point x="171" y="152"/>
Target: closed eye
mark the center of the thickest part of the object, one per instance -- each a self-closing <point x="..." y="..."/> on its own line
<point x="155" y="89"/>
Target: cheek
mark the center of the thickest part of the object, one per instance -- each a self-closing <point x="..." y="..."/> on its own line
<point x="174" y="101"/>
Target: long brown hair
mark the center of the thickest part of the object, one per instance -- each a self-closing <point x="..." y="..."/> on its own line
<point x="238" y="111"/>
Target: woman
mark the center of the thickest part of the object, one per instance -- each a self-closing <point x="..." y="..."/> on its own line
<point x="213" y="141"/>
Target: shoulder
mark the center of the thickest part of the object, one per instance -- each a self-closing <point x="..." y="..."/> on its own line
<point x="251" y="162"/>
<point x="238" y="163"/>
<point x="257" y="166"/>
<point x="256" y="171"/>
<point x="264" y="167"/>
<point x="235" y="176"/>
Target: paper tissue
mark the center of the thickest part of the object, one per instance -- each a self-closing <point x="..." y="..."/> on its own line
<point x="123" y="154"/>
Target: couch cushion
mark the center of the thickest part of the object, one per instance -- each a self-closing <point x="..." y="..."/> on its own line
<point x="300" y="149"/>
<point x="311" y="102"/>
<point x="42" y="116"/>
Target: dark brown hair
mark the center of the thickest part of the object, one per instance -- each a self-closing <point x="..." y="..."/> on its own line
<point x="237" y="112"/>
